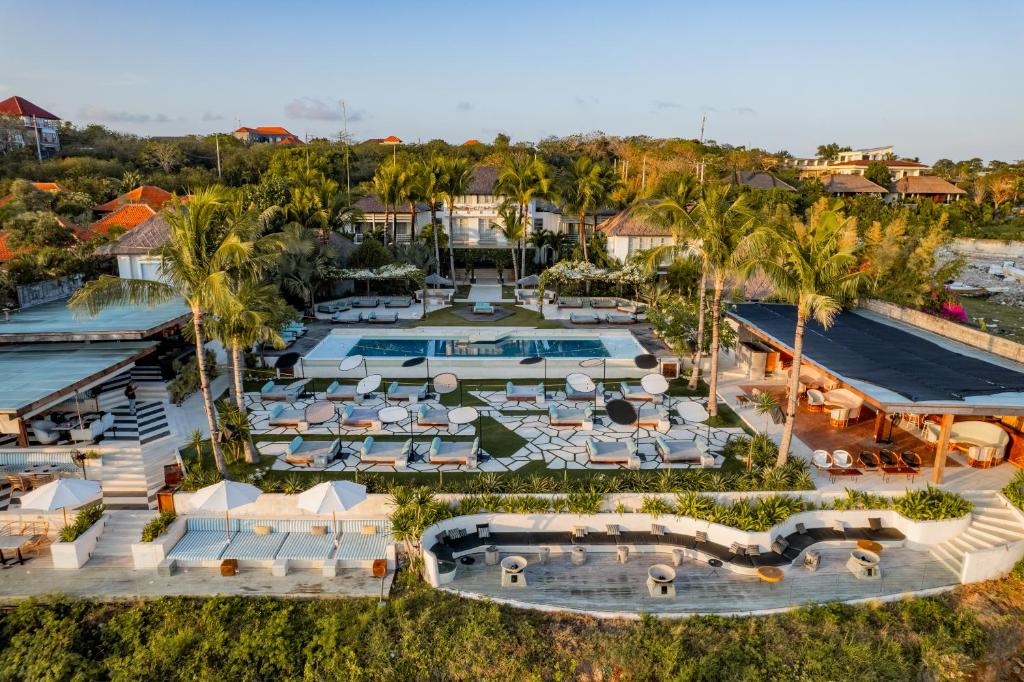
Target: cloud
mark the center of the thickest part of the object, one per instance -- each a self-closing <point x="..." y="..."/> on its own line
<point x="104" y="115"/>
<point x="744" y="111"/>
<point x="707" y="108"/>
<point x="662" y="104"/>
<point x="584" y="101"/>
<point x="210" y="116"/>
<point x="464" y="106"/>
<point x="314" y="109"/>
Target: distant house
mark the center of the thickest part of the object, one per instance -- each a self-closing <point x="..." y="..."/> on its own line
<point x="128" y="217"/>
<point x="850" y="185"/>
<point x="52" y="187"/>
<point x="374" y="217"/>
<point x="629" y="233"/>
<point x="856" y="161"/>
<point x="263" y="134"/>
<point x="134" y="249"/>
<point x="757" y="180"/>
<point x="150" y="195"/>
<point x="38" y="126"/>
<point x="928" y="187"/>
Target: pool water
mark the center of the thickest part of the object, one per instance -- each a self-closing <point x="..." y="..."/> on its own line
<point x="506" y="348"/>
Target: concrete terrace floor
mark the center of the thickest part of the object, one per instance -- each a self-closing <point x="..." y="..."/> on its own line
<point x="100" y="580"/>
<point x="603" y="586"/>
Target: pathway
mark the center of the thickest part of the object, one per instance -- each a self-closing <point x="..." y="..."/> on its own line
<point x="486" y="293"/>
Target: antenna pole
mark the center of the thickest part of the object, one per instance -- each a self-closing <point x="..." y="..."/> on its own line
<point x="703" y="120"/>
<point x="217" y="139"/>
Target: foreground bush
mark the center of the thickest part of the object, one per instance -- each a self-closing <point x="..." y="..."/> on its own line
<point x="424" y="634"/>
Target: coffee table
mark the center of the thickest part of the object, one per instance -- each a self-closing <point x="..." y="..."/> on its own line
<point x="319" y="412"/>
<point x="869" y="546"/>
<point x="770" y="574"/>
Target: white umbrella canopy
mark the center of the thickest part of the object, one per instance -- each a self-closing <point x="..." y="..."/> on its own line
<point x="332" y="496"/>
<point x="225" y="496"/>
<point x="64" y="493"/>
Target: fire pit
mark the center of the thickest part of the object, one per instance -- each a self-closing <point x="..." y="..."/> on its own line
<point x="863" y="564"/>
<point x="661" y="581"/>
<point x="512" y="568"/>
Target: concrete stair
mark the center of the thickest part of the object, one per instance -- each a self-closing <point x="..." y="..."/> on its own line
<point x="993" y="523"/>
<point x="124" y="479"/>
<point x="122" y="530"/>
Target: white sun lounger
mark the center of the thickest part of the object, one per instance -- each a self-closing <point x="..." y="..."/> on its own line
<point x="571" y="416"/>
<point x="683" y="451"/>
<point x="385" y="452"/>
<point x="310" y="452"/>
<point x="454" y="452"/>
<point x="285" y="416"/>
<point x="616" y="452"/>
<point x="345" y="392"/>
<point x="525" y="393"/>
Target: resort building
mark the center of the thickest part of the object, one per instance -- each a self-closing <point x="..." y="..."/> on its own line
<point x="376" y="217"/>
<point x="629" y="233"/>
<point x="38" y="126"/>
<point x="928" y="187"/>
<point x="850" y="185"/>
<point x="134" y="250"/>
<point x="855" y="162"/>
<point x="265" y="134"/>
<point x="148" y="195"/>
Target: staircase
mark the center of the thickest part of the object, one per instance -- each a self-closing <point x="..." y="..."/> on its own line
<point x="124" y="479"/>
<point x="993" y="523"/>
<point x="122" y="530"/>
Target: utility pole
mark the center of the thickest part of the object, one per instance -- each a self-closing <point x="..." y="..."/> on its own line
<point x="643" y="175"/>
<point x="703" y="120"/>
<point x="348" y="174"/>
<point x="217" y="139"/>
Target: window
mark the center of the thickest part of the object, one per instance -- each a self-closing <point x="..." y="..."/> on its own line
<point x="538" y="224"/>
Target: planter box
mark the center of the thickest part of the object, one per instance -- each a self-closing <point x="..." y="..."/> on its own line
<point x="74" y="555"/>
<point x="150" y="554"/>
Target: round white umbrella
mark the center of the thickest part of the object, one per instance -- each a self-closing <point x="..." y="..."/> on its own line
<point x="62" y="494"/>
<point x="332" y="496"/>
<point x="225" y="496"/>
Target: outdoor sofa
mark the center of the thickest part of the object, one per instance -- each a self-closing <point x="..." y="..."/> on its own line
<point x="377" y="451"/>
<point x="454" y="452"/>
<point x="311" y="452"/>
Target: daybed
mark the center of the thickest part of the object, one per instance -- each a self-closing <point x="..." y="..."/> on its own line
<point x="525" y="393"/>
<point x="683" y="451"/>
<point x="346" y="392"/>
<point x="385" y="452"/>
<point x="287" y="393"/>
<point x="454" y="452"/>
<point x="397" y="391"/>
<point x="616" y="452"/>
<point x="571" y="416"/>
<point x="310" y="452"/>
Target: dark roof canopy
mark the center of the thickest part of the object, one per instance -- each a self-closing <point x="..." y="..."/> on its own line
<point x="856" y="347"/>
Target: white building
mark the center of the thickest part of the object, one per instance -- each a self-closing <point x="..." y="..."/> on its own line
<point x="856" y="161"/>
<point x="628" y="233"/>
<point x="38" y="126"/>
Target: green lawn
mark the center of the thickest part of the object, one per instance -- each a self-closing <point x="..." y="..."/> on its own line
<point x="1009" y="318"/>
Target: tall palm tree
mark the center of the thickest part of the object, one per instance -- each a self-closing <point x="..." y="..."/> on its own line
<point x="578" y="189"/>
<point x="607" y="184"/>
<point x="428" y="184"/>
<point x="387" y="183"/>
<point x="321" y="206"/>
<point x="812" y="264"/>
<point x="511" y="229"/>
<point x="522" y="179"/>
<point x="721" y="223"/>
<point x="455" y="184"/>
<point x="197" y="263"/>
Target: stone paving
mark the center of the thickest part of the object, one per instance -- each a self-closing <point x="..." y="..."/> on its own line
<point x="559" y="448"/>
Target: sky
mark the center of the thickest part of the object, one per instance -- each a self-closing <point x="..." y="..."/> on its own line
<point x="935" y="79"/>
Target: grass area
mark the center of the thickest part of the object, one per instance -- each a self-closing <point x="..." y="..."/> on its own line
<point x="508" y="293"/>
<point x="521" y="317"/>
<point x="420" y="634"/>
<point x="1009" y="318"/>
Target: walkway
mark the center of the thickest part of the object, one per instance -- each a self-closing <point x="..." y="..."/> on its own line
<point x="486" y="293"/>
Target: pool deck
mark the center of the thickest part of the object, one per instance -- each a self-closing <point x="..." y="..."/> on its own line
<point x="604" y="587"/>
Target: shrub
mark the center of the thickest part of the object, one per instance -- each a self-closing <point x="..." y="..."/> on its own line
<point x="158" y="526"/>
<point x="1014" y="490"/>
<point x="932" y="504"/>
<point x="83" y="522"/>
<point x="656" y="506"/>
<point x="186" y="380"/>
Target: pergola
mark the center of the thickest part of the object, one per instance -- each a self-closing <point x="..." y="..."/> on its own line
<point x="405" y="271"/>
<point x="564" y="272"/>
<point x="895" y="371"/>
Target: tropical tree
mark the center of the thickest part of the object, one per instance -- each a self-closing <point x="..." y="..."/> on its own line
<point x="511" y="229"/>
<point x="320" y="205"/>
<point x="607" y="186"/>
<point x="721" y="223"/>
<point x="428" y="185"/>
<point x="522" y="179"/>
<point x="457" y="176"/>
<point x="306" y="264"/>
<point x="579" y="188"/>
<point x="389" y="182"/>
<point x="812" y="263"/>
<point x="197" y="265"/>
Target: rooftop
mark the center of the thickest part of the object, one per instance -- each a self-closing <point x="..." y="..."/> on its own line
<point x="147" y="236"/>
<point x="483" y="181"/>
<point x="19" y="106"/>
<point x="926" y="184"/>
<point x="34" y="376"/>
<point x="629" y="224"/>
<point x="758" y="180"/>
<point x="150" y="195"/>
<point x="891" y="163"/>
<point x="851" y="184"/>
<point x="57" y="322"/>
<point x="128" y="216"/>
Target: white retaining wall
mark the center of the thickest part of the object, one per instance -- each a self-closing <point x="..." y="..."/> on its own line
<point x="989" y="248"/>
<point x="74" y="555"/>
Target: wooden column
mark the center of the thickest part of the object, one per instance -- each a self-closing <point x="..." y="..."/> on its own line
<point x="879" y="425"/>
<point x="22" y="433"/>
<point x="941" y="448"/>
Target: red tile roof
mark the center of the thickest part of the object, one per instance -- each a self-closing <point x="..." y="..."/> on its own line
<point x="128" y="216"/>
<point x="19" y="106"/>
<point x="6" y="252"/>
<point x="151" y="195"/>
<point x="470" y="142"/>
<point x="892" y="163"/>
<point x="391" y="139"/>
<point x="41" y="186"/>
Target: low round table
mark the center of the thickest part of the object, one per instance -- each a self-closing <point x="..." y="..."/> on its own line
<point x="869" y="546"/>
<point x="318" y="413"/>
<point x="770" y="574"/>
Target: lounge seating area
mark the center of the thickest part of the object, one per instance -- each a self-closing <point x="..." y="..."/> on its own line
<point x="483" y="308"/>
<point x="304" y="543"/>
<point x="286" y="416"/>
<point x="362" y="417"/>
<point x="885" y="462"/>
<point x="409" y="392"/>
<point x="376" y="451"/>
<point x="596" y="396"/>
<point x="312" y="452"/>
<point x="454" y="452"/>
<point x="432" y="416"/>
<point x="614" y="452"/>
<point x="283" y="392"/>
<point x="682" y="451"/>
<point x="571" y="417"/>
<point x="517" y="393"/>
<point x="343" y="392"/>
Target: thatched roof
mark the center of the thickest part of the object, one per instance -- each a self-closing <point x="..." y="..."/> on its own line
<point x="926" y="184"/>
<point x="629" y="224"/>
<point x="850" y="184"/>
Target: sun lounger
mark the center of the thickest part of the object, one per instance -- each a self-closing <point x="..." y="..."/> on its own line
<point x="431" y="416"/>
<point x="296" y="328"/>
<point x="620" y="318"/>
<point x="285" y="416"/>
<point x="365" y="417"/>
<point x="247" y="545"/>
<point x="571" y="416"/>
<point x="398" y="302"/>
<point x="531" y="393"/>
<point x="356" y="547"/>
<point x="289" y="393"/>
<point x="584" y="318"/>
<point x="309" y="452"/>
<point x="480" y="308"/>
<point x="634" y="392"/>
<point x="631" y="308"/>
<point x="365" y="302"/>
<point x="596" y="396"/>
<point x="304" y="545"/>
<point x="617" y="452"/>
<point x="385" y="452"/>
<point x="570" y="302"/>
<point x="346" y="318"/>
<point x="683" y="451"/>
<point x="397" y="391"/>
<point x="654" y="416"/>
<point x="606" y="303"/>
<point x="345" y="392"/>
<point x="454" y="452"/>
<point x="381" y="318"/>
<point x="205" y="539"/>
<point x="332" y="308"/>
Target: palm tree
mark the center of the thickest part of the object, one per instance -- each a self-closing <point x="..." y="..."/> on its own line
<point x="320" y="206"/>
<point x="428" y="183"/>
<point x="511" y="228"/>
<point x="457" y="176"/>
<point x="522" y="179"/>
<point x="813" y="265"/>
<point x="305" y="264"/>
<point x="579" y="188"/>
<point x="387" y="183"/>
<point x="608" y="183"/>
<point x="721" y="223"/>
<point x="197" y="263"/>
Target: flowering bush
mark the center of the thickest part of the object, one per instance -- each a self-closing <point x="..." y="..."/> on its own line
<point x="943" y="303"/>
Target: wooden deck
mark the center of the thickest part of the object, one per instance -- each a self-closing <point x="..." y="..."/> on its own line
<point x="602" y="585"/>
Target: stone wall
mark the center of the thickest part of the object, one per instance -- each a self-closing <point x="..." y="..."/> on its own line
<point x="1011" y="350"/>
<point x="989" y="248"/>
